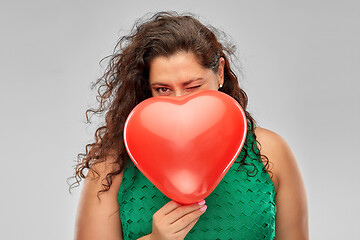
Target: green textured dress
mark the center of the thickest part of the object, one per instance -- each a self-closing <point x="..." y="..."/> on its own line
<point x="242" y="206"/>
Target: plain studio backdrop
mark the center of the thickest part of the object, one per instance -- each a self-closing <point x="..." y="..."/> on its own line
<point x="300" y="60"/>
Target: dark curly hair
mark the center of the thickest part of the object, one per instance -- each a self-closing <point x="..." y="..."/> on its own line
<point x="125" y="82"/>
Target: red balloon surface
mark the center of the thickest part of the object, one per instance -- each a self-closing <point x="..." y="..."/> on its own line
<point x="185" y="145"/>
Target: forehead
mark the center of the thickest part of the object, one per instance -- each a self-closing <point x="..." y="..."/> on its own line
<point x="181" y="65"/>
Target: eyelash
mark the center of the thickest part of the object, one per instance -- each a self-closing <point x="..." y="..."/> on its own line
<point x="194" y="87"/>
<point x="158" y="89"/>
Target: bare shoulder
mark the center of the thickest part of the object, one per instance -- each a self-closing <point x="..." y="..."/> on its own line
<point x="98" y="172"/>
<point x="278" y="151"/>
<point x="270" y="140"/>
<point x="292" y="214"/>
<point x="274" y="145"/>
<point x="98" y="215"/>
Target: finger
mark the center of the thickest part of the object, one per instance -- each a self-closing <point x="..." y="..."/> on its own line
<point x="187" y="219"/>
<point x="169" y="207"/>
<point x="186" y="230"/>
<point x="183" y="210"/>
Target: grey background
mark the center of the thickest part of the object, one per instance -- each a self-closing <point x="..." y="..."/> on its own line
<point x="301" y="67"/>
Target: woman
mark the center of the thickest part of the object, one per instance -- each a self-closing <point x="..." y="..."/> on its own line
<point x="260" y="196"/>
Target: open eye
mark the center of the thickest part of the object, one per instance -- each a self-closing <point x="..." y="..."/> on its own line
<point x="162" y="90"/>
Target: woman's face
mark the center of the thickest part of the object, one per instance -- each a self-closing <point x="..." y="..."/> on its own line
<point x="181" y="74"/>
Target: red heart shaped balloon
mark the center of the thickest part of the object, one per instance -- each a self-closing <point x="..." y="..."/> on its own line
<point x="185" y="145"/>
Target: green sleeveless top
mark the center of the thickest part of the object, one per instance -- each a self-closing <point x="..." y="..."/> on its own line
<point x="242" y="206"/>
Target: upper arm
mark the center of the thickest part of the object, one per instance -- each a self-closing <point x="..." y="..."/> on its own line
<point x="99" y="219"/>
<point x="292" y="214"/>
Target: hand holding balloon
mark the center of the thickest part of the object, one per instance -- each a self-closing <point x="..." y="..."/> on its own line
<point x="174" y="220"/>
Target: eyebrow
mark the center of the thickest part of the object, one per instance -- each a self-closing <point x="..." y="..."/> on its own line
<point x="185" y="83"/>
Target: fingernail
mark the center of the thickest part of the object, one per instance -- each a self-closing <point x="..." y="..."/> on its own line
<point x="203" y="208"/>
<point x="201" y="202"/>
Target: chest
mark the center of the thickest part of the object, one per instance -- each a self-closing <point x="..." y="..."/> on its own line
<point x="240" y="207"/>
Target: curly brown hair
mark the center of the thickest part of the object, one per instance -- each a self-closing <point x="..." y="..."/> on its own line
<point x="125" y="82"/>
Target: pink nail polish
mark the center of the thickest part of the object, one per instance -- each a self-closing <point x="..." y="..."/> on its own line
<point x="203" y="208"/>
<point x="201" y="202"/>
